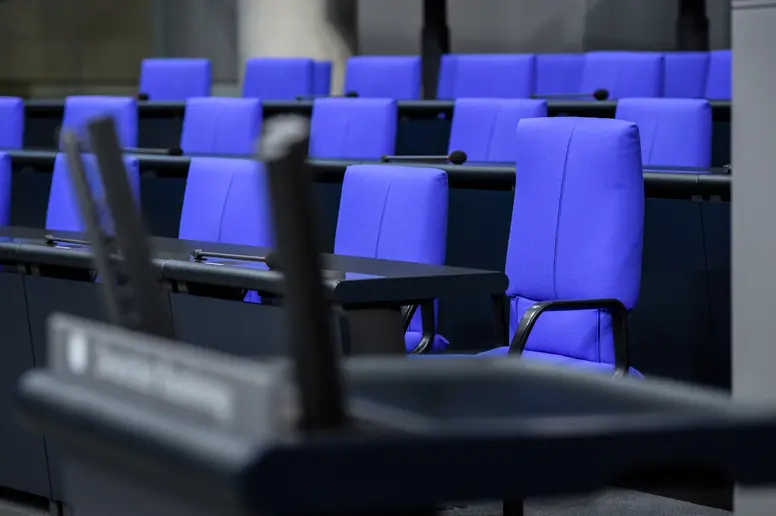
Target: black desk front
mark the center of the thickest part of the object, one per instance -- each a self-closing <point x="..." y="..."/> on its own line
<point x="207" y="307"/>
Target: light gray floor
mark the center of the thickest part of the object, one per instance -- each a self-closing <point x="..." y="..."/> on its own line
<point x="607" y="503"/>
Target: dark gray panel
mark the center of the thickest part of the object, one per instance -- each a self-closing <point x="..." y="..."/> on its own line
<point x="23" y="466"/>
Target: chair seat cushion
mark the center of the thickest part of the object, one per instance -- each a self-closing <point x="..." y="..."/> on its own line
<point x="412" y="339"/>
<point x="560" y="359"/>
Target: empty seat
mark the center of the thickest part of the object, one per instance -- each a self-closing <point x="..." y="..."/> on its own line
<point x="12" y="125"/>
<point x="673" y="131"/>
<point x="220" y="125"/>
<point x="395" y="213"/>
<point x="396" y="77"/>
<point x="493" y="75"/>
<point x="79" y="110"/>
<point x="719" y="83"/>
<point x="64" y="213"/>
<point x="175" y="79"/>
<point x="226" y="200"/>
<point x="685" y="74"/>
<point x="322" y="82"/>
<point x="624" y="74"/>
<point x="485" y="128"/>
<point x="559" y="74"/>
<point x="278" y="78"/>
<point x="353" y="128"/>
<point x="576" y="233"/>
<point x="5" y="189"/>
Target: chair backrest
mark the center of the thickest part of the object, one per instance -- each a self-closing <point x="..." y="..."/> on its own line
<point x="64" y="213"/>
<point x="175" y="79"/>
<point x="5" y="189"/>
<point x="353" y="128"/>
<point x="577" y="228"/>
<point x="396" y="77"/>
<point x="559" y="74"/>
<point x="12" y="126"/>
<point x="494" y="75"/>
<point x="322" y="81"/>
<point x="446" y="79"/>
<point x="393" y="213"/>
<point x="221" y="125"/>
<point x="624" y="74"/>
<point x="719" y="85"/>
<point x="79" y="110"/>
<point x="278" y="78"/>
<point x="685" y="74"/>
<point x="226" y="201"/>
<point x="673" y="131"/>
<point x="485" y="128"/>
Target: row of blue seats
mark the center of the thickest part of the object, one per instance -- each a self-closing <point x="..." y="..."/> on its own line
<point x="623" y="74"/>
<point x="675" y="132"/>
<point x="576" y="232"/>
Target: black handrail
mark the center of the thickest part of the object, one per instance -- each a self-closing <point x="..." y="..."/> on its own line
<point x="490" y="177"/>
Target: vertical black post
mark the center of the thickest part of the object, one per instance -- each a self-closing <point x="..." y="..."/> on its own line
<point x="692" y="26"/>
<point x="435" y="42"/>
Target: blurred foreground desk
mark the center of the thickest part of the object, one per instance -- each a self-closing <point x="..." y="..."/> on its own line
<point x="206" y="300"/>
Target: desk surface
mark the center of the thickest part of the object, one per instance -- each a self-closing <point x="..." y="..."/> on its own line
<point x="365" y="279"/>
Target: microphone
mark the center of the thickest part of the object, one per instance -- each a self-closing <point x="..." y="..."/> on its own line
<point x="201" y="255"/>
<point x="456" y="157"/>
<point x="599" y="94"/>
<point x="350" y="94"/>
<point x="155" y="152"/>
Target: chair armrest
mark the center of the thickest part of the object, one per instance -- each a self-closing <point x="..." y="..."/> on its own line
<point x="427" y="323"/>
<point x="614" y="307"/>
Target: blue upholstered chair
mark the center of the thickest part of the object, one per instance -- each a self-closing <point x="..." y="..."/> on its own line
<point x="278" y="78"/>
<point x="624" y="74"/>
<point x="493" y="75"/>
<point x="5" y="189"/>
<point x="79" y="110"/>
<point x="485" y="128"/>
<point x="11" y="123"/>
<point x="396" y="213"/>
<point x="175" y="79"/>
<point x="396" y="77"/>
<point x="221" y="125"/>
<point x="674" y="132"/>
<point x="719" y="83"/>
<point x="685" y="74"/>
<point x="322" y="80"/>
<point x="63" y="212"/>
<point x="446" y="79"/>
<point x="559" y="74"/>
<point x="353" y="128"/>
<point x="574" y="252"/>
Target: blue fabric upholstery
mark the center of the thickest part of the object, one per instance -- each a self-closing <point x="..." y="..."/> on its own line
<point x="624" y="74"/>
<point x="685" y="74"/>
<point x="279" y="78"/>
<point x="12" y="126"/>
<point x="446" y="80"/>
<point x="63" y="213"/>
<point x="5" y="189"/>
<point x="175" y="79"/>
<point x="395" y="213"/>
<point x="322" y="81"/>
<point x="396" y="77"/>
<point x="353" y="128"/>
<point x="559" y="74"/>
<point x="220" y="125"/>
<point x="719" y="83"/>
<point x="493" y="76"/>
<point x="485" y="128"/>
<point x="79" y="110"/>
<point x="673" y="131"/>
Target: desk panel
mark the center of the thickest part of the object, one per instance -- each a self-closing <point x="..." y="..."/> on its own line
<point x="23" y="463"/>
<point x="45" y="296"/>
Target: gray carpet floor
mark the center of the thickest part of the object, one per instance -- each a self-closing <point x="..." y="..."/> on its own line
<point x="607" y="503"/>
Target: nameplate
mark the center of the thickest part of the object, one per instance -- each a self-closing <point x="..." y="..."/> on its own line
<point x="191" y="384"/>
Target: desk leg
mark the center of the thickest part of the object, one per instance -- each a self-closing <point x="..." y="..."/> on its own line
<point x="373" y="331"/>
<point x="513" y="508"/>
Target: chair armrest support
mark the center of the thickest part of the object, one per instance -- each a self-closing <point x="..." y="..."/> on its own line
<point x="614" y="307"/>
